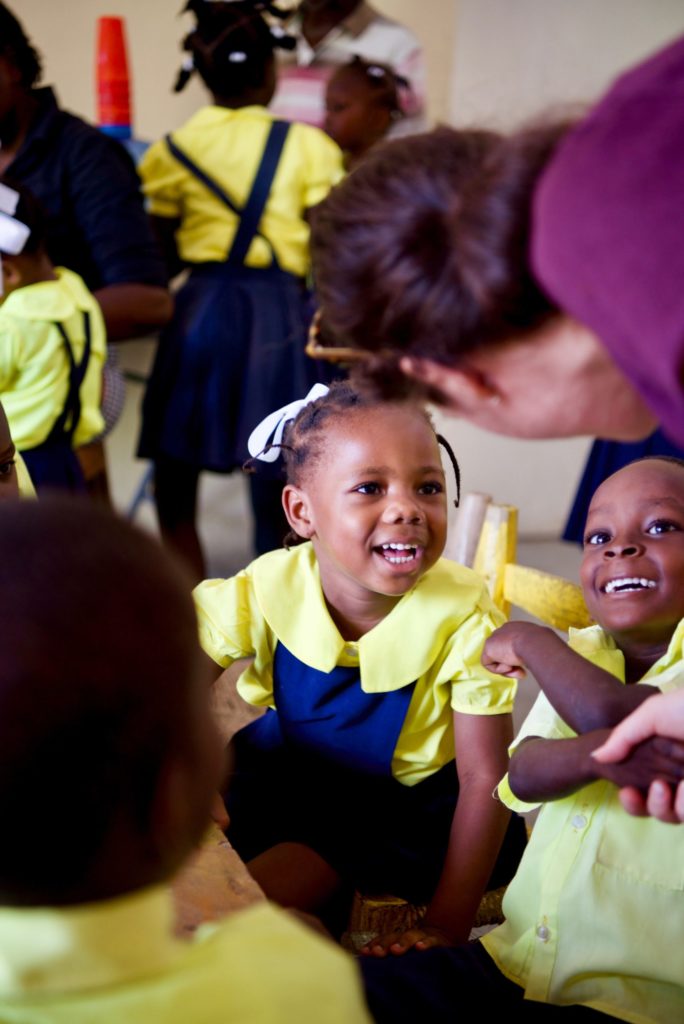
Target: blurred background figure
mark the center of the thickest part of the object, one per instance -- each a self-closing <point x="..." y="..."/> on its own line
<point x="96" y="224"/>
<point x="361" y="106"/>
<point x="329" y="33"/>
<point x="228" y="193"/>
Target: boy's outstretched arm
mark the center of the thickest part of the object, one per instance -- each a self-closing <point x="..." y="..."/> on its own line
<point x="477" y="831"/>
<point x="542" y="769"/>
<point x="584" y="695"/>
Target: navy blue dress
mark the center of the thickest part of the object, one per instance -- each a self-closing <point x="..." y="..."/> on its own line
<point x="234" y="350"/>
<point x="318" y="771"/>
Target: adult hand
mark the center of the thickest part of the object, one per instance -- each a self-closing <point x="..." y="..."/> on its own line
<point x="661" y="715"/>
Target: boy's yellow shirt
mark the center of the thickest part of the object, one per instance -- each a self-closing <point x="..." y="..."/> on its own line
<point x="595" y="913"/>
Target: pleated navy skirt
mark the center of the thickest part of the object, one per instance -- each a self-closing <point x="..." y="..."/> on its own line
<point x="233" y="353"/>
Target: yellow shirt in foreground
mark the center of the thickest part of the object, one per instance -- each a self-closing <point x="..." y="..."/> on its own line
<point x="119" y="961"/>
<point x="228" y="145"/>
<point x="433" y="636"/>
<point x="34" y="369"/>
<point x="595" y="914"/>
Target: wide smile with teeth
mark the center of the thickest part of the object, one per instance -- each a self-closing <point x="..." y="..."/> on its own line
<point x="399" y="554"/>
<point x="628" y="584"/>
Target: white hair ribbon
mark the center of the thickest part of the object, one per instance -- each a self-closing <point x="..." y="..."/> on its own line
<point x="264" y="441"/>
<point x="13" y="234"/>
<point x="8" y="200"/>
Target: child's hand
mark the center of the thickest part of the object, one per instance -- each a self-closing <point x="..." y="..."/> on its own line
<point x="501" y="652"/>
<point x="422" y="936"/>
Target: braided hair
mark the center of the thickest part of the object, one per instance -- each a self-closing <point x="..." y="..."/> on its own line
<point x="232" y="45"/>
<point x="304" y="436"/>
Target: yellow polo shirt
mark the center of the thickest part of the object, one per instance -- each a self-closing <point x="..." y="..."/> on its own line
<point x="595" y="913"/>
<point x="118" y="961"/>
<point x="434" y="636"/>
<point x="34" y="369"/>
<point x="228" y="144"/>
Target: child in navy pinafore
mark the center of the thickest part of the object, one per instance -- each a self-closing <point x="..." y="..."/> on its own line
<point x="366" y="647"/>
<point x="228" y="192"/>
<point x="52" y="349"/>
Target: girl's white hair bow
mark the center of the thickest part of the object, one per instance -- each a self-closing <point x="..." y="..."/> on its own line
<point x="13" y="234"/>
<point x="265" y="440"/>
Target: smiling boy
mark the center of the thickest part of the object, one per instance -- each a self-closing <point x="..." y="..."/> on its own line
<point x="594" y="914"/>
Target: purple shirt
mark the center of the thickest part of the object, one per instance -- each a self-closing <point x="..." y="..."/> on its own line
<point x="608" y="229"/>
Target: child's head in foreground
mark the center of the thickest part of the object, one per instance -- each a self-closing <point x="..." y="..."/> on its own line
<point x="107" y="737"/>
<point x="366" y="486"/>
<point x="633" y="565"/>
<point x="361" y="102"/>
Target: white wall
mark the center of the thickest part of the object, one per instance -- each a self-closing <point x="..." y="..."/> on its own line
<point x="514" y="59"/>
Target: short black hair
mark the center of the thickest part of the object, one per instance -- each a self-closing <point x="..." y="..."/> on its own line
<point x="99" y="656"/>
<point x="17" y="49"/>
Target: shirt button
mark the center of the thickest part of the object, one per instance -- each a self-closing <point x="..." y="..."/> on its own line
<point x="351" y="651"/>
<point x="543" y="933"/>
<point x="579" y="821"/>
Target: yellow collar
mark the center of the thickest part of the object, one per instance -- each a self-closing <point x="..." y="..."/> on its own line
<point x="394" y="653"/>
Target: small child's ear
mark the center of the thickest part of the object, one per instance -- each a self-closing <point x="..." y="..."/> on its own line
<point x="297" y="511"/>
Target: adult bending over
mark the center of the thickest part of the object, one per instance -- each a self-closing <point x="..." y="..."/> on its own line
<point x="423" y="255"/>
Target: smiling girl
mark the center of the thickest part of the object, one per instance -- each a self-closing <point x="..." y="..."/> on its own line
<point x="366" y="648"/>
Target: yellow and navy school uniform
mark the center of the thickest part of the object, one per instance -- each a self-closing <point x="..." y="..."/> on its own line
<point x="239" y="182"/>
<point x="595" y="913"/>
<point x="119" y="960"/>
<point x="355" y="757"/>
<point x="52" y="351"/>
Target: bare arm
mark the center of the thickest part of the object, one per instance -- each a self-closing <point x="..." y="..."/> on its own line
<point x="584" y="695"/>
<point x="477" y="831"/>
<point x="543" y="770"/>
<point x="130" y="310"/>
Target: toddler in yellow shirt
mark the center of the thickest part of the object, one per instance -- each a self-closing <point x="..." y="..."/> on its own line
<point x="52" y="349"/>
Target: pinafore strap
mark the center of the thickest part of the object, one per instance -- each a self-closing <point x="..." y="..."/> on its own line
<point x="67" y="421"/>
<point x="250" y="215"/>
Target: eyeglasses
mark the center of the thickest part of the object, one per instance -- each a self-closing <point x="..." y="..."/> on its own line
<point x="331" y="353"/>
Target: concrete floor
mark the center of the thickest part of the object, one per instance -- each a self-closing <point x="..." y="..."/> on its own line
<point x="224" y="508"/>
